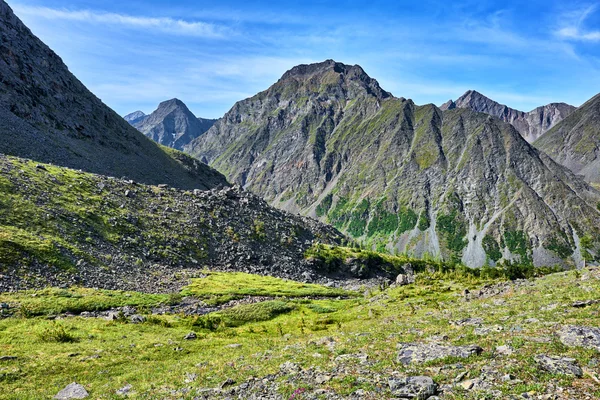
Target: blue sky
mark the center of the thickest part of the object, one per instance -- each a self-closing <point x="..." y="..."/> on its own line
<point x="136" y="53"/>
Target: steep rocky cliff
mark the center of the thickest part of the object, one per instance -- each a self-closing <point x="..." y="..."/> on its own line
<point x="172" y="124"/>
<point x="531" y="125"/>
<point x="575" y="142"/>
<point x="46" y="114"/>
<point x="327" y="141"/>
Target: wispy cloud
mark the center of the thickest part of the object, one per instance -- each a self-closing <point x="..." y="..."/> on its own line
<point x="162" y="24"/>
<point x="574" y="29"/>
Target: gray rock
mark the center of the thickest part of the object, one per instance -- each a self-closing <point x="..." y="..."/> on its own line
<point x="421" y="352"/>
<point x="137" y="319"/>
<point x="580" y="336"/>
<point x="559" y="365"/>
<point x="72" y="391"/>
<point x="125" y="390"/>
<point x="414" y="387"/>
<point x="404" y="279"/>
<point x="190" y="336"/>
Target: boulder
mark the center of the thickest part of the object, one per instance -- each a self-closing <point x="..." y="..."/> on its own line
<point x="72" y="391"/>
<point x="580" y="336"/>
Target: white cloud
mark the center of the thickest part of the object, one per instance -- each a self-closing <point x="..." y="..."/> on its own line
<point x="162" y="24"/>
<point x="573" y="28"/>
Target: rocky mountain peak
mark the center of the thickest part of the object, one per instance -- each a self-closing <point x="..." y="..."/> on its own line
<point x="134" y="117"/>
<point x="172" y="124"/>
<point x="531" y="125"/>
<point x="172" y="104"/>
<point x="332" y="74"/>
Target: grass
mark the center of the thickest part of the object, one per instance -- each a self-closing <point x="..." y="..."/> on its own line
<point x="220" y="287"/>
<point x="256" y="339"/>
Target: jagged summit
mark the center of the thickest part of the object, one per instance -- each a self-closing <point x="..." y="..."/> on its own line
<point x="531" y="125"/>
<point x="172" y="124"/>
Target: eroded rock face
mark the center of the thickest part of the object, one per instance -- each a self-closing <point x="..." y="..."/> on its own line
<point x="327" y="141"/>
<point x="422" y="352"/>
<point x="580" y="336"/>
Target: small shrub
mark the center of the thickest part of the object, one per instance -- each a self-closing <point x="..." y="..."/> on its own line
<point x="58" y="334"/>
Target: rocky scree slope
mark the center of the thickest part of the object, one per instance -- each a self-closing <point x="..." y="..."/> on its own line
<point x="531" y="125"/>
<point x="61" y="226"/>
<point x="172" y="124"/>
<point x="575" y="142"/>
<point x="327" y="141"/>
<point x="46" y="114"/>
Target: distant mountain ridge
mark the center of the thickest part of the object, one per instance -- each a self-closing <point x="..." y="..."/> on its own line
<point x="172" y="124"/>
<point x="134" y="117"/>
<point x="46" y="114"/>
<point x="575" y="142"/>
<point x="531" y="125"/>
<point x="327" y="141"/>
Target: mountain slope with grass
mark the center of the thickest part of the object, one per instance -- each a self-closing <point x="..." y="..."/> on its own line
<point x="531" y="125"/>
<point x="172" y="124"/>
<point x="48" y="115"/>
<point x="327" y="141"/>
<point x="61" y="226"/>
<point x="575" y="142"/>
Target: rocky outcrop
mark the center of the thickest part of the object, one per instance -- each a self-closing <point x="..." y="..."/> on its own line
<point x="172" y="124"/>
<point x="531" y="125"/>
<point x="46" y="114"/>
<point x="328" y="142"/>
<point x="575" y="142"/>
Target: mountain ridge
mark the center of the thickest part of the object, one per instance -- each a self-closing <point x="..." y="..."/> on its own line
<point x="575" y="141"/>
<point x="327" y="141"/>
<point x="531" y="125"/>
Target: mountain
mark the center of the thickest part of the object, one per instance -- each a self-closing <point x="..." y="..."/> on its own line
<point x="531" y="125"/>
<point x="134" y="117"/>
<point x="327" y="141"/>
<point x="48" y="115"/>
<point x="172" y="124"/>
<point x="575" y="142"/>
